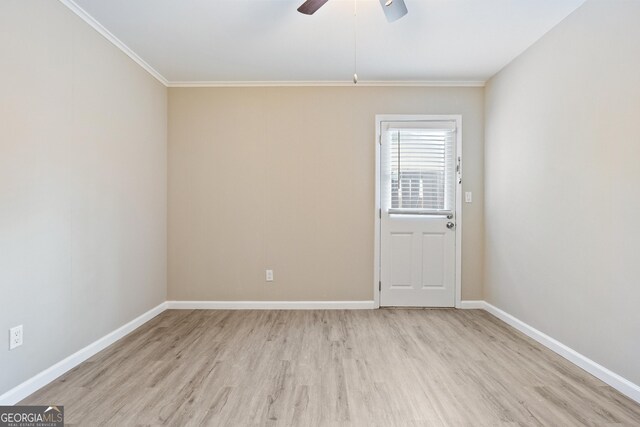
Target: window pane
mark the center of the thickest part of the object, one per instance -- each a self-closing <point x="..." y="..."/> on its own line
<point x="422" y="169"/>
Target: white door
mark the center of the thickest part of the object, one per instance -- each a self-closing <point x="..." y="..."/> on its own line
<point x="419" y="174"/>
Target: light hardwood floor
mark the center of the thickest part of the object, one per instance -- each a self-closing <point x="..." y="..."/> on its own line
<point x="350" y="368"/>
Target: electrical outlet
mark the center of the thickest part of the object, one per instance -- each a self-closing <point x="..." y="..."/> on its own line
<point x="15" y="337"/>
<point x="269" y="275"/>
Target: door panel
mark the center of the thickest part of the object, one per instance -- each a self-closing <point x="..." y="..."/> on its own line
<point x="401" y="259"/>
<point x="433" y="263"/>
<point x="417" y="262"/>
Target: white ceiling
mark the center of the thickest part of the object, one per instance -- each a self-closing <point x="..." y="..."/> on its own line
<point x="269" y="41"/>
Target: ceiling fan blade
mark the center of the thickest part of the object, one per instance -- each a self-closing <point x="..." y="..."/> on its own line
<point x="393" y="10"/>
<point x="310" y="6"/>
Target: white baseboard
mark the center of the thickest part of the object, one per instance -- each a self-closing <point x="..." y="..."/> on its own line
<point x="472" y="305"/>
<point x="35" y="383"/>
<point x="270" y="305"/>
<point x="621" y="384"/>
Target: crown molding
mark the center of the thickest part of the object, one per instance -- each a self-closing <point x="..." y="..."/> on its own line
<point x="113" y="39"/>
<point x="85" y="16"/>
<point x="339" y="83"/>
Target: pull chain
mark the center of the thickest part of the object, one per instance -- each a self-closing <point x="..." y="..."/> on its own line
<point x="355" y="41"/>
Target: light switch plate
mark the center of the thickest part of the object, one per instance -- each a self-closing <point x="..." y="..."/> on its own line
<point x="468" y="197"/>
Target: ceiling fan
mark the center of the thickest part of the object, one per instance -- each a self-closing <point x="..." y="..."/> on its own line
<point x="393" y="9"/>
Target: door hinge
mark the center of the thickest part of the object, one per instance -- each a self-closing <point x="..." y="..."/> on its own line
<point x="379" y="286"/>
<point x="380" y="139"/>
<point x="380" y="213"/>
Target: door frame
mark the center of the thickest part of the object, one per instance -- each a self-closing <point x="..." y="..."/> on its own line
<point x="378" y="142"/>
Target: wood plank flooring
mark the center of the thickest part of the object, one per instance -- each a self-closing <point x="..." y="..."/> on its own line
<point x="389" y="367"/>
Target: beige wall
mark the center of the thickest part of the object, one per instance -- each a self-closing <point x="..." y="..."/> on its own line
<point x="284" y="178"/>
<point x="562" y="179"/>
<point x="82" y="187"/>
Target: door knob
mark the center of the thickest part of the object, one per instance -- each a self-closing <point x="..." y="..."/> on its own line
<point x="450" y="225"/>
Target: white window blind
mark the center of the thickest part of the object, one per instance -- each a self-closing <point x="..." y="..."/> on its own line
<point x="421" y="162"/>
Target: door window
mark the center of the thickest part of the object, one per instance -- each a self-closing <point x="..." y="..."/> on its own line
<point x="420" y="160"/>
